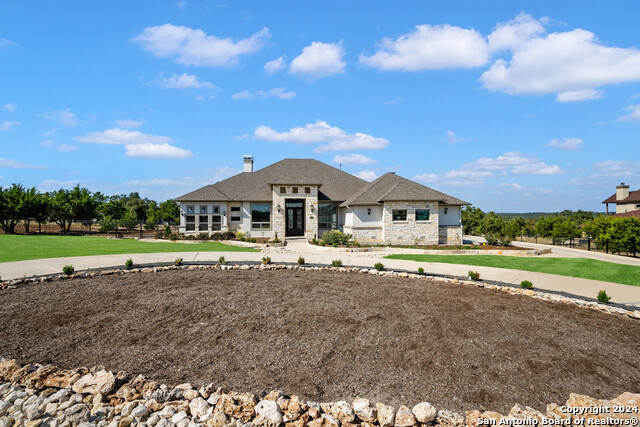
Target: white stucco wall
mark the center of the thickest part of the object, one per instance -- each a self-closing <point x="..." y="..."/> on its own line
<point x="452" y="217"/>
<point x="626" y="207"/>
<point x="222" y="209"/>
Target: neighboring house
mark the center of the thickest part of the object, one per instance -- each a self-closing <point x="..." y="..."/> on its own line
<point x="305" y="197"/>
<point x="625" y="200"/>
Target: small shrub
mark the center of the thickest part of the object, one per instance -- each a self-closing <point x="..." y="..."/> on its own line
<point x="173" y="237"/>
<point x="222" y="261"/>
<point x="492" y="240"/>
<point x="216" y="236"/>
<point x="107" y="223"/>
<point x="68" y="270"/>
<point x="474" y="275"/>
<point x="379" y="266"/>
<point x="355" y="243"/>
<point x="336" y="237"/>
<point x="128" y="263"/>
<point x="203" y="236"/>
<point x="300" y="261"/>
<point x="322" y="243"/>
<point x="314" y="241"/>
<point x="167" y="231"/>
<point x="334" y="244"/>
<point x="159" y="236"/>
<point x="275" y="239"/>
<point x="228" y="235"/>
<point x="526" y="284"/>
<point x="505" y="241"/>
<point x="252" y="240"/>
<point x="603" y="297"/>
<point x="421" y="270"/>
<point x="241" y="235"/>
<point x="179" y="261"/>
<point x="336" y="263"/>
<point x="190" y="237"/>
<point x="266" y="260"/>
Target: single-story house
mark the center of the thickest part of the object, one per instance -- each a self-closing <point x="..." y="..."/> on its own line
<point x="625" y="200"/>
<point x="305" y="197"/>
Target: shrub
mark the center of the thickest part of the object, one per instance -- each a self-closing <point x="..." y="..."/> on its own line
<point x="322" y="243"/>
<point x="203" y="236"/>
<point x="190" y="237"/>
<point x="167" y="231"/>
<point x="68" y="270"/>
<point x="474" y="275"/>
<point x="217" y="236"/>
<point x="603" y="297"/>
<point x="336" y="237"/>
<point x="173" y="237"/>
<point x="334" y="244"/>
<point x="421" y="270"/>
<point x="222" y="261"/>
<point x="526" y="284"/>
<point x="228" y="235"/>
<point x="314" y="241"/>
<point x="336" y="263"/>
<point x="505" y="241"/>
<point x="241" y="235"/>
<point x="129" y="221"/>
<point x="355" y="243"/>
<point x="179" y="261"/>
<point x="252" y="240"/>
<point x="275" y="239"/>
<point x="379" y="266"/>
<point x="492" y="240"/>
<point x="128" y="263"/>
<point x="107" y="223"/>
<point x="158" y="236"/>
<point x="300" y="261"/>
<point x="266" y="260"/>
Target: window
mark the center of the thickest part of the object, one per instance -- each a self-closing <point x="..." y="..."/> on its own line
<point x="307" y="190"/>
<point x="422" y="214"/>
<point x="399" y="214"/>
<point x="203" y="210"/>
<point x="203" y="222"/>
<point x="216" y="209"/>
<point x="638" y="206"/>
<point x="327" y="217"/>
<point x="283" y="190"/>
<point x="235" y="214"/>
<point x="216" y="222"/>
<point x="260" y="216"/>
<point x="190" y="209"/>
<point x="294" y="190"/>
<point x="191" y="222"/>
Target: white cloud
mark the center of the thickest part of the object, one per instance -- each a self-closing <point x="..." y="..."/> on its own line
<point x="129" y="123"/>
<point x="335" y="139"/>
<point x="64" y="117"/>
<point x="182" y="5"/>
<point x="353" y="159"/>
<point x="455" y="178"/>
<point x="156" y="151"/>
<point x="579" y="95"/>
<point x="617" y="167"/>
<point x="189" y="46"/>
<point x="183" y="81"/>
<point x="430" y="47"/>
<point x="427" y="178"/>
<point x="452" y="138"/>
<point x="566" y="144"/>
<point x="515" y="33"/>
<point x="10" y="107"/>
<point x="319" y="60"/>
<point x="367" y="175"/>
<point x="511" y="186"/>
<point x="516" y="163"/>
<point x="67" y="147"/>
<point x="7" y="126"/>
<point x="277" y="92"/>
<point x="163" y="182"/>
<point x="6" y="43"/>
<point x="14" y="164"/>
<point x="275" y="65"/>
<point x="633" y="116"/>
<point x="47" y="143"/>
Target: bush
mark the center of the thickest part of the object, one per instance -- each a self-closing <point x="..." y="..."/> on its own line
<point x="129" y="221"/>
<point x="68" y="270"/>
<point x="492" y="240"/>
<point x="603" y="297"/>
<point x="266" y="260"/>
<point x="505" y="241"/>
<point x="334" y="244"/>
<point x="228" y="235"/>
<point x="158" y="236"/>
<point x="300" y="261"/>
<point x="173" y="237"/>
<point x="526" y="284"/>
<point x="322" y="243"/>
<point x="222" y="261"/>
<point x="252" y="240"/>
<point x="167" y="231"/>
<point x="336" y="263"/>
<point x="379" y="266"/>
<point x="179" y="261"/>
<point x="203" y="236"/>
<point x="275" y="239"/>
<point x="336" y="237"/>
<point x="217" y="236"/>
<point x="241" y="235"/>
<point x="107" y="223"/>
<point x="128" y="263"/>
<point x="421" y="270"/>
<point x="474" y="275"/>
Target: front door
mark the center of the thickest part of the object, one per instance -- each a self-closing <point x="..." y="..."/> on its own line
<point x="294" y="217"/>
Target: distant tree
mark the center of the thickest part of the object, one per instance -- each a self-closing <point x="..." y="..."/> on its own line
<point x="154" y="216"/>
<point x="472" y="220"/>
<point x="41" y="208"/>
<point x="129" y="220"/>
<point x="69" y="206"/>
<point x="544" y="226"/>
<point x="115" y="209"/>
<point x="170" y="211"/>
<point x="31" y="204"/>
<point x="564" y="229"/>
<point x="493" y="228"/>
<point x="514" y="227"/>
<point x="11" y="207"/>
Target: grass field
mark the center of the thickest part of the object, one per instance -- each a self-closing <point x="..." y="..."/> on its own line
<point x="573" y="267"/>
<point x="19" y="247"/>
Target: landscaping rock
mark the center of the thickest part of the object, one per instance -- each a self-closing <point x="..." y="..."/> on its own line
<point x="404" y="417"/>
<point x="424" y="412"/>
<point x="7" y="368"/>
<point x="386" y="415"/>
<point x="198" y="407"/>
<point x="268" y="414"/>
<point x="77" y="414"/>
<point x="140" y="411"/>
<point x="343" y="411"/>
<point x="364" y="410"/>
<point x="62" y="379"/>
<point x="99" y="382"/>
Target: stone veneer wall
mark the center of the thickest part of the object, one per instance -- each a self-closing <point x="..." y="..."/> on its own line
<point x="450" y="235"/>
<point x="278" y="220"/>
<point x="407" y="232"/>
<point x="364" y="234"/>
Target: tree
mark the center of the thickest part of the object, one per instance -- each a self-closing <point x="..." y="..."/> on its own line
<point x="34" y="206"/>
<point x="69" y="206"/>
<point x="564" y="229"/>
<point x="84" y="205"/>
<point x="493" y="228"/>
<point x="41" y="207"/>
<point x="11" y="207"/>
<point x="514" y="227"/>
<point x="115" y="209"/>
<point x="140" y="212"/>
<point x="154" y="216"/>
<point x="61" y="209"/>
<point x="472" y="219"/>
<point x="170" y="211"/>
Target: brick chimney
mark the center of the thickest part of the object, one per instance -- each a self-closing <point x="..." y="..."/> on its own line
<point x="622" y="191"/>
<point x="248" y="165"/>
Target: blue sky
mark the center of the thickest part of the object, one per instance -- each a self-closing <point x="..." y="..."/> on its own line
<point x="510" y="105"/>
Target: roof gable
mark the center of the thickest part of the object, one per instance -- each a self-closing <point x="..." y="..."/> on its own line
<point x="634" y="196"/>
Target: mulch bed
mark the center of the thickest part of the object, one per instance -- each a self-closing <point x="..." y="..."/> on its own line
<point x="326" y="336"/>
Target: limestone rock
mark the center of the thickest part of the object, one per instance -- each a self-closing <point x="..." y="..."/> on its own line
<point x="525" y="413"/>
<point x="198" y="407"/>
<point x="62" y="379"/>
<point x="237" y="405"/>
<point x="404" y="417"/>
<point x="77" y="414"/>
<point x="99" y="382"/>
<point x="7" y="368"/>
<point x="4" y="406"/>
<point x="424" y="412"/>
<point x="343" y="411"/>
<point x="364" y="410"/>
<point x="18" y="375"/>
<point x="36" y="379"/>
<point x="217" y="420"/>
<point x="449" y="419"/>
<point x="128" y="392"/>
<point x="268" y="414"/>
<point x="179" y="416"/>
<point x="386" y="415"/>
<point x="167" y="412"/>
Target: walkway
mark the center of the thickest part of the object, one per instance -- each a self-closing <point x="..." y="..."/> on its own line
<point x="318" y="255"/>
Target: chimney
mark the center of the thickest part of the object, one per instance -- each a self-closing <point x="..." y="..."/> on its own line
<point x="248" y="163"/>
<point x="622" y="191"/>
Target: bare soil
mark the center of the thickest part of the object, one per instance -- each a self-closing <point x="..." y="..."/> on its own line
<point x="326" y="336"/>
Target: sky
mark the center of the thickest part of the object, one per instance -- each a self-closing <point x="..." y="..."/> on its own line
<point x="513" y="106"/>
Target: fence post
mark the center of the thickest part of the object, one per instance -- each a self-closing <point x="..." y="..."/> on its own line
<point x="589" y="244"/>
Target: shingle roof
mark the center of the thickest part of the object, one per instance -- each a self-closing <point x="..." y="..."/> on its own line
<point x="254" y="186"/>
<point x="630" y="214"/>
<point x="634" y="196"/>
<point x="391" y="187"/>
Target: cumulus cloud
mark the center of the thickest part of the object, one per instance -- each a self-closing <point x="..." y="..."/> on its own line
<point x="156" y="151"/>
<point x="137" y="144"/>
<point x="129" y="123"/>
<point x="14" y="164"/>
<point x="64" y="117"/>
<point x="183" y="81"/>
<point x="10" y="107"/>
<point x="430" y="47"/>
<point x="320" y="132"/>
<point x="319" y="60"/>
<point x="579" y="95"/>
<point x="189" y="46"/>
<point x="353" y="159"/>
<point x="566" y="144"/>
<point x="7" y="126"/>
<point x="67" y="147"/>
<point x="277" y="92"/>
<point x="47" y="143"/>
<point x="617" y="167"/>
<point x="633" y="115"/>
<point x="515" y="33"/>
<point x="511" y="186"/>
<point x="452" y="138"/>
<point x="275" y="65"/>
<point x="367" y="175"/>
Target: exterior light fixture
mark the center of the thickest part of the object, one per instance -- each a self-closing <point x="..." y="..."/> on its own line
<point x="446" y="210"/>
<point x="369" y="211"/>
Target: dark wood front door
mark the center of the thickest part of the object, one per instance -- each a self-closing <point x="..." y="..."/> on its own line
<point x="294" y="218"/>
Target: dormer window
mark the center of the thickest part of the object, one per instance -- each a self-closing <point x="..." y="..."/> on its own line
<point x="283" y="190"/>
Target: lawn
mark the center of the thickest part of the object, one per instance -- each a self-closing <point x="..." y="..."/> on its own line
<point x="573" y="267"/>
<point x="20" y="247"/>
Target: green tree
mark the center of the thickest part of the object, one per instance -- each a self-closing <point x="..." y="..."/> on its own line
<point x="170" y="211"/>
<point x="115" y="209"/>
<point x="61" y="209"/>
<point x="472" y="220"/>
<point x="154" y="216"/>
<point x="41" y="208"/>
<point x="32" y="202"/>
<point x="493" y="228"/>
<point x="11" y="207"/>
<point x="129" y="220"/>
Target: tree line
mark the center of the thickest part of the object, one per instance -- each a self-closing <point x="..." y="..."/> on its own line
<point x="19" y="204"/>
<point x="609" y="233"/>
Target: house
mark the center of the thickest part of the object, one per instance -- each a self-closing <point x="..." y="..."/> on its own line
<point x="625" y="200"/>
<point x="305" y="197"/>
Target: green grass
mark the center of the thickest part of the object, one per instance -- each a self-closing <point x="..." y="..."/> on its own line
<point x="573" y="267"/>
<point x="19" y="248"/>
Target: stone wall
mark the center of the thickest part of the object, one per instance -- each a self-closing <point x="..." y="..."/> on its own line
<point x="278" y="220"/>
<point x="450" y="235"/>
<point x="365" y="234"/>
<point x="410" y="231"/>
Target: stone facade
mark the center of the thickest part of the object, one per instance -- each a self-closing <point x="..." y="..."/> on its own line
<point x="278" y="220"/>
<point x="450" y="235"/>
<point x="410" y="231"/>
<point x="364" y="234"/>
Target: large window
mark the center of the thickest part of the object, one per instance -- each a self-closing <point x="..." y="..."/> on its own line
<point x="191" y="223"/>
<point x="235" y="213"/>
<point x="422" y="214"/>
<point x="203" y="223"/>
<point x="260" y="216"/>
<point x="327" y="217"/>
<point x="216" y="223"/>
<point x="190" y="209"/>
<point x="399" y="214"/>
